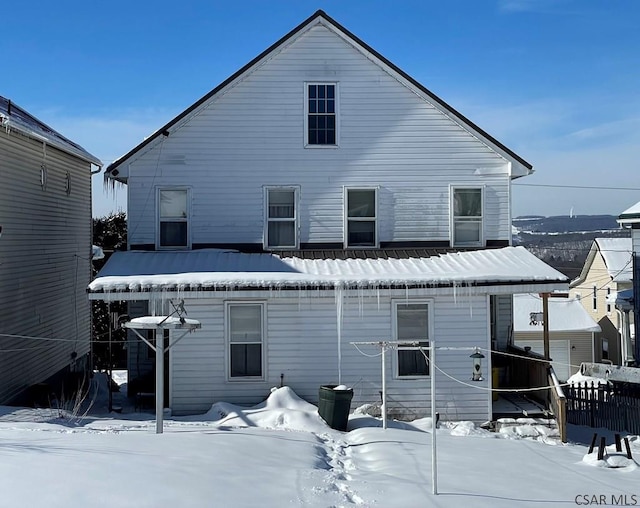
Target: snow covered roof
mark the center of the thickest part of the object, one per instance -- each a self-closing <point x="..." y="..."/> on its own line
<point x="565" y="315"/>
<point x="617" y="254"/>
<point x="630" y="215"/>
<point x="14" y="117"/>
<point x="219" y="269"/>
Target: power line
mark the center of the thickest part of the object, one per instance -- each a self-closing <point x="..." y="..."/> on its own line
<point x="575" y="186"/>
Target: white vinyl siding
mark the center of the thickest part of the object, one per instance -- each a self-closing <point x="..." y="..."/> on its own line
<point x="302" y="353"/>
<point x="281" y="224"/>
<point x="389" y="137"/>
<point x="45" y="265"/>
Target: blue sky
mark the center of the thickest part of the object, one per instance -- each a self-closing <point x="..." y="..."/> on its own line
<point x="557" y="81"/>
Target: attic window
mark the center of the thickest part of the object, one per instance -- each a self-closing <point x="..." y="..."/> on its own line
<point x="321" y="106"/>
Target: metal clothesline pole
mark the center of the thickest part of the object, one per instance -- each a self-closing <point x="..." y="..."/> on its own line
<point x="384" y="344"/>
<point x="384" y="387"/>
<point x="434" y="455"/>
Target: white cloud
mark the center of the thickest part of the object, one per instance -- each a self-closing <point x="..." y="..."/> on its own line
<point x="529" y="5"/>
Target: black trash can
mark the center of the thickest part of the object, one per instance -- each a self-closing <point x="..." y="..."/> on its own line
<point x="334" y="406"/>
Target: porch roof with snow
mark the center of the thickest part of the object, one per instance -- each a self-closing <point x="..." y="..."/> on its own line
<point x="565" y="315"/>
<point x="617" y="256"/>
<point x="213" y="270"/>
<point x="630" y="215"/>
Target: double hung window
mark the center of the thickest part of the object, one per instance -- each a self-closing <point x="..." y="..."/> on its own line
<point x="361" y="217"/>
<point x="321" y="114"/>
<point x="245" y="338"/>
<point x="281" y="226"/>
<point x="412" y="325"/>
<point x="173" y="212"/>
<point x="467" y="216"/>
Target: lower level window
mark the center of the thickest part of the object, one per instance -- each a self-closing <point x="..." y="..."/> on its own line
<point x="245" y="339"/>
<point x="412" y="325"/>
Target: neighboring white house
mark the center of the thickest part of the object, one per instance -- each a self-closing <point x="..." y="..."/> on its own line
<point x="45" y="254"/>
<point x="631" y="218"/>
<point x="321" y="196"/>
<point x="607" y="270"/>
<point x="572" y="331"/>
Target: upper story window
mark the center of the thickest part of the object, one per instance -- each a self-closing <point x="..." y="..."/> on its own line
<point x="412" y="324"/>
<point x="245" y="337"/>
<point x="595" y="298"/>
<point x="321" y="114"/>
<point x="467" y="216"/>
<point x="281" y="226"/>
<point x="361" y="217"/>
<point x="173" y="216"/>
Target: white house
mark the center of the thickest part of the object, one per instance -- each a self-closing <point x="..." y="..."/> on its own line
<point x="45" y="254"/>
<point x="572" y="331"/>
<point x="318" y="197"/>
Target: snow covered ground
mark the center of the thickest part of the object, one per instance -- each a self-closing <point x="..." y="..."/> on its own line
<point x="280" y="453"/>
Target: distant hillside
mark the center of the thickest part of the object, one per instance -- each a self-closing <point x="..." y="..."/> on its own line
<point x="566" y="223"/>
<point x="563" y="241"/>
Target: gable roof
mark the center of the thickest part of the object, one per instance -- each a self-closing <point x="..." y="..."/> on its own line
<point x="321" y="17"/>
<point x="212" y="269"/>
<point x="565" y="315"/>
<point x="14" y="117"/>
<point x="630" y="215"/>
<point x="617" y="255"/>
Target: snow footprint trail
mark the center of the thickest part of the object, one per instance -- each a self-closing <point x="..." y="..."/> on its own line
<point x="339" y="464"/>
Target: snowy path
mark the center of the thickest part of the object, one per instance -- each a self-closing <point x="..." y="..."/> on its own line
<point x="281" y="454"/>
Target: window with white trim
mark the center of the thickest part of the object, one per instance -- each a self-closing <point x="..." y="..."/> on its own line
<point x="173" y="217"/>
<point x="281" y="216"/>
<point x="466" y="216"/>
<point x="245" y="337"/>
<point x="412" y="324"/>
<point x="321" y="114"/>
<point x="595" y="297"/>
<point x="361" y="217"/>
<point x="607" y="300"/>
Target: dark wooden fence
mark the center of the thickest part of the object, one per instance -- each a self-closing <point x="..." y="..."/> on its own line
<point x="614" y="407"/>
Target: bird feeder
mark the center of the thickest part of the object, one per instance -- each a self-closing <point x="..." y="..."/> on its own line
<point x="477" y="357"/>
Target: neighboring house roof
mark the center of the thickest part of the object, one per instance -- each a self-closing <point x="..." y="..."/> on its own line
<point x="320" y="17"/>
<point x="630" y="215"/>
<point x="565" y="315"/>
<point x="220" y="269"/>
<point x="617" y="255"/>
<point x="13" y="117"/>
